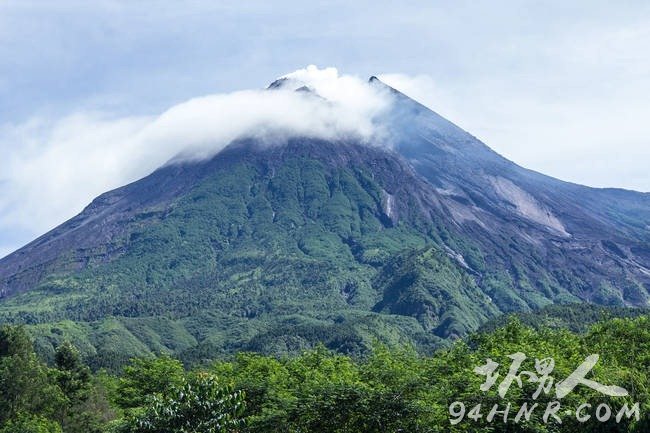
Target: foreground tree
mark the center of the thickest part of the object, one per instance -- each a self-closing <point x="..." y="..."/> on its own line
<point x="27" y="386"/>
<point x="82" y="412"/>
<point x="146" y="377"/>
<point x="200" y="405"/>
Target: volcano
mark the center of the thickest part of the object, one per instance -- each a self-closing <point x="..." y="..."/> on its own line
<point x="275" y="247"/>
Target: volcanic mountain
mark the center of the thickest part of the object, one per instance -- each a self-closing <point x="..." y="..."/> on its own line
<point x="275" y="247"/>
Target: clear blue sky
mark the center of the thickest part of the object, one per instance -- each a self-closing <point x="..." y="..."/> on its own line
<point x="560" y="87"/>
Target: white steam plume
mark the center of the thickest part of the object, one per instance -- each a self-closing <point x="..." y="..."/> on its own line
<point x="49" y="170"/>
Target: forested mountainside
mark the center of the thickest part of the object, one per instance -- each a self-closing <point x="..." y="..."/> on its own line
<point x="274" y="247"/>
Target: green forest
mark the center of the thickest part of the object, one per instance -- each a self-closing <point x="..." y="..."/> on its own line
<point x="389" y="389"/>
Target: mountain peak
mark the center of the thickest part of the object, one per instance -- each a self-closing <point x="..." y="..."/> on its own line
<point x="290" y="236"/>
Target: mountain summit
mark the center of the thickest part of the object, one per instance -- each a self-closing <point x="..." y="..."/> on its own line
<point x="276" y="246"/>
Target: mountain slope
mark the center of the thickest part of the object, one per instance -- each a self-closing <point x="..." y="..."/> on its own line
<point x="599" y="235"/>
<point x="276" y="247"/>
<point x="283" y="240"/>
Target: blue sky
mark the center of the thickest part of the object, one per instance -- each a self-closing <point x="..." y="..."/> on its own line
<point x="560" y="87"/>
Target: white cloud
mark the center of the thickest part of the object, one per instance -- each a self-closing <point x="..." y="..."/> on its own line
<point x="51" y="169"/>
<point x="203" y="125"/>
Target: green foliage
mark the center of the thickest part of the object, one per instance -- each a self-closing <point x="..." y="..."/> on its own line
<point x="146" y="377"/>
<point x="26" y="384"/>
<point x="198" y="405"/>
<point x="36" y="398"/>
<point x="578" y="318"/>
<point x="22" y="423"/>
<point x="73" y="375"/>
<point x="389" y="390"/>
<point x="426" y="284"/>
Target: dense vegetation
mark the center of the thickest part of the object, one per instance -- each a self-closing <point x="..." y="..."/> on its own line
<point x="388" y="390"/>
<point x="574" y="317"/>
<point x="267" y="255"/>
<point x="276" y="251"/>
